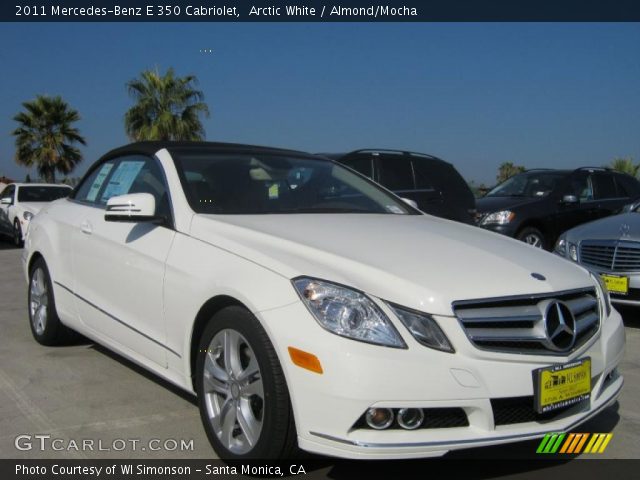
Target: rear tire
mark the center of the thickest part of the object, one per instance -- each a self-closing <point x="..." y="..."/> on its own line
<point x="242" y="393"/>
<point x="532" y="236"/>
<point x="43" y="319"/>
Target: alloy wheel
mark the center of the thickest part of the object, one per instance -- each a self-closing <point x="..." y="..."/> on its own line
<point x="533" y="240"/>
<point x="234" y="392"/>
<point x="38" y="301"/>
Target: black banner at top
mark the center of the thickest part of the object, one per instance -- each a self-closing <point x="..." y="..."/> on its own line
<point x="320" y="11"/>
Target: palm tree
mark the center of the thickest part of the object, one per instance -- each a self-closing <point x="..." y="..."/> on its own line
<point x="46" y="138"/>
<point x="167" y="107"/>
<point x="508" y="170"/>
<point x="625" y="165"/>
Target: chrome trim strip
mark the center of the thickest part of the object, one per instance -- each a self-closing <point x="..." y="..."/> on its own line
<point x="523" y="436"/>
<point x="116" y="319"/>
<point x="533" y="296"/>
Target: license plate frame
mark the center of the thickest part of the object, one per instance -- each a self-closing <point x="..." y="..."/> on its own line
<point x="560" y="386"/>
<point x="616" y="284"/>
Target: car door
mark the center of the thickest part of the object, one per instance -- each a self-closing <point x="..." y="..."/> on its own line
<point x="609" y="199"/>
<point x="570" y="214"/>
<point x="119" y="267"/>
<point x="6" y="225"/>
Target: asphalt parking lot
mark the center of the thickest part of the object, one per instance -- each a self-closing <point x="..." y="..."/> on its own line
<point x="86" y="392"/>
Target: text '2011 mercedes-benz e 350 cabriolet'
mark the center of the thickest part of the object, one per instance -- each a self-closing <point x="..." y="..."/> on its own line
<point x="308" y="307"/>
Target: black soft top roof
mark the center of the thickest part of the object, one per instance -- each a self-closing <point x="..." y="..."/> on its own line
<point x="151" y="148"/>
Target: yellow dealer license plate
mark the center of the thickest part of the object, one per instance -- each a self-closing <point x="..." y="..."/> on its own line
<point x="562" y="385"/>
<point x="616" y="283"/>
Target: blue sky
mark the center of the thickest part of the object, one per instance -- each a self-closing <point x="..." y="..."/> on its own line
<point x="540" y="95"/>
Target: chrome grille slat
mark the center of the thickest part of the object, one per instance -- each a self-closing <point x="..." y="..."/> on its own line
<point x="611" y="255"/>
<point x="516" y="324"/>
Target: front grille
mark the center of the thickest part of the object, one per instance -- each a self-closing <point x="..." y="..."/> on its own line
<point x="517" y="324"/>
<point x="507" y="411"/>
<point x="611" y="255"/>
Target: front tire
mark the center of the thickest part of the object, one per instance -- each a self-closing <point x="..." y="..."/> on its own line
<point x="242" y="393"/>
<point x="43" y="319"/>
<point x="17" y="234"/>
<point x="532" y="236"/>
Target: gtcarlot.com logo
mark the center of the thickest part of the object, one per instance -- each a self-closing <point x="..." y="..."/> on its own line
<point x="574" y="443"/>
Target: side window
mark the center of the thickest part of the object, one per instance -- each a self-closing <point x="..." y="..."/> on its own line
<point x="8" y="192"/>
<point x="426" y="177"/>
<point x="627" y="186"/>
<point x="604" y="186"/>
<point x="580" y="186"/>
<point x="396" y="173"/>
<point x="360" y="163"/>
<point x="90" y="187"/>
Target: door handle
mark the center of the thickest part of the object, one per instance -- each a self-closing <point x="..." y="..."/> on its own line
<point x="86" y="227"/>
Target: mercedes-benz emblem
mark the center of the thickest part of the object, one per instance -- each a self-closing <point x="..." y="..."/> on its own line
<point x="624" y="230"/>
<point x="560" y="326"/>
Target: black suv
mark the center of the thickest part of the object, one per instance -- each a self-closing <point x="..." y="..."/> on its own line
<point x="538" y="205"/>
<point x="433" y="184"/>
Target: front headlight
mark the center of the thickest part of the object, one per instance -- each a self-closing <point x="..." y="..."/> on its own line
<point x="500" y="218"/>
<point x="561" y="247"/>
<point x="346" y="312"/>
<point x="603" y="294"/>
<point x="423" y="328"/>
<point x="27" y="216"/>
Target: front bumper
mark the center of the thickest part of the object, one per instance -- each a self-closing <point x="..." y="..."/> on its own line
<point x="509" y="229"/>
<point x="358" y="376"/>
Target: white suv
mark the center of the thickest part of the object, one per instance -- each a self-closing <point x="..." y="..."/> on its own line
<point x="308" y="307"/>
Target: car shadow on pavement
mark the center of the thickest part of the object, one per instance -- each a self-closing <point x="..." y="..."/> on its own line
<point x="6" y="244"/>
<point x="145" y="373"/>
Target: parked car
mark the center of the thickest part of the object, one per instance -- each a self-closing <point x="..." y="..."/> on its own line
<point x="538" y="205"/>
<point x="307" y="306"/>
<point x="610" y="247"/>
<point x="19" y="202"/>
<point x="434" y="185"/>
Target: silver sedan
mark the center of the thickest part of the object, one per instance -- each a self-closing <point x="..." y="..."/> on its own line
<point x="610" y="247"/>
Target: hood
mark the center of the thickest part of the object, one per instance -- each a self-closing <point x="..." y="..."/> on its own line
<point x="33" y="207"/>
<point x="495" y="204"/>
<point x="609" y="228"/>
<point x="418" y="261"/>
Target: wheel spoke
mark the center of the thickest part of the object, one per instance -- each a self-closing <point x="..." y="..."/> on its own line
<point x="250" y="371"/>
<point x="232" y="353"/>
<point x="253" y="388"/>
<point x="248" y="423"/>
<point x="216" y="371"/>
<point x="213" y="385"/>
<point x="228" y="420"/>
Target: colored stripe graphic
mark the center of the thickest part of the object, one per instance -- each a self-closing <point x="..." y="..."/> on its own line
<point x="574" y="443"/>
<point x="550" y="443"/>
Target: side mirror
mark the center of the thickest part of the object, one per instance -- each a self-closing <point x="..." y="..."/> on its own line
<point x="6" y="201"/>
<point x="413" y="203"/>
<point x="570" y="199"/>
<point x="134" y="208"/>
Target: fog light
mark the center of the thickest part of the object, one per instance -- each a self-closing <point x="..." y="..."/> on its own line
<point x="379" y="418"/>
<point x="410" y="418"/>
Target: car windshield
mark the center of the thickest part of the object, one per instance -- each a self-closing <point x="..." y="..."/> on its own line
<point x="42" y="193"/>
<point x="528" y="184"/>
<point x="259" y="183"/>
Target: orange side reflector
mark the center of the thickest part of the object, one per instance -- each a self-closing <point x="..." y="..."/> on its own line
<point x="305" y="360"/>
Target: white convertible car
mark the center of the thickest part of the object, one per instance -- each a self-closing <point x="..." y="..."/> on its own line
<point x="308" y="307"/>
